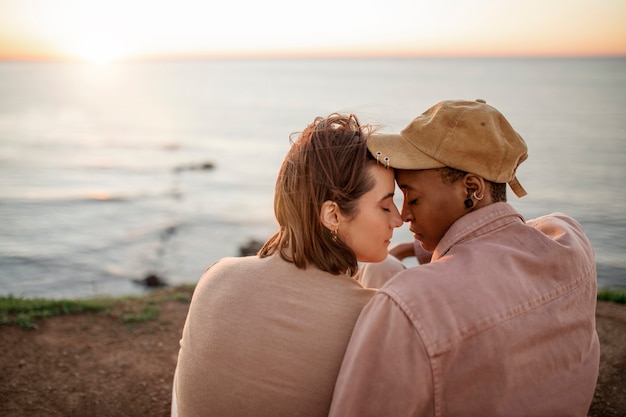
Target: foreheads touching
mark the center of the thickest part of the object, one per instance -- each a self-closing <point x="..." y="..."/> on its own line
<point x="327" y="161"/>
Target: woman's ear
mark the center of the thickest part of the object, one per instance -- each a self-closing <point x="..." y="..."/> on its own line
<point x="329" y="215"/>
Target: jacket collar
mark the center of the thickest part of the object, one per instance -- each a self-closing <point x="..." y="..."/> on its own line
<point x="475" y="223"/>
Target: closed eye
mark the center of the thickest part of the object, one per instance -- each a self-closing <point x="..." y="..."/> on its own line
<point x="386" y="200"/>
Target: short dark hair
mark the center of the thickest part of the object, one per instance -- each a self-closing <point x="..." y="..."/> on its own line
<point x="327" y="162"/>
<point x="450" y="175"/>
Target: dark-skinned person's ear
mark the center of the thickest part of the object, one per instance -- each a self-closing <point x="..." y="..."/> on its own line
<point x="475" y="187"/>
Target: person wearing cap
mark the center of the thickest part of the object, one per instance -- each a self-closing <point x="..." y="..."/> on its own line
<point x="501" y="321"/>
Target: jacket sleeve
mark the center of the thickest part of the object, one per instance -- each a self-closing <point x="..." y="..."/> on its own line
<point x="375" y="275"/>
<point x="386" y="370"/>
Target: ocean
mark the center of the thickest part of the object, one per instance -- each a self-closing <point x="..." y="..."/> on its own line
<point x="111" y="173"/>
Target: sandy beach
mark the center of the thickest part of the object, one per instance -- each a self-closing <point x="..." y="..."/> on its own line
<point x="93" y="364"/>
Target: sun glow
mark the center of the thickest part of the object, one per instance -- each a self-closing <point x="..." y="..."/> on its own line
<point x="100" y="31"/>
<point x="98" y="50"/>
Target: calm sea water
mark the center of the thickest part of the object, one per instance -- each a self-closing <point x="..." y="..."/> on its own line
<point x="97" y="179"/>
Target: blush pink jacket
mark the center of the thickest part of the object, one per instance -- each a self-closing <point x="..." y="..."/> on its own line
<point x="500" y="323"/>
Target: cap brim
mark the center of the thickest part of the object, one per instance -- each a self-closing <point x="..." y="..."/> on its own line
<point x="401" y="152"/>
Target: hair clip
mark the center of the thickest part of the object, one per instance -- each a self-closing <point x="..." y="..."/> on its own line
<point x="386" y="161"/>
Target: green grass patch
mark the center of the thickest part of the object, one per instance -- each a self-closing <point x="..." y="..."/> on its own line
<point x="25" y="313"/>
<point x="137" y="312"/>
<point x="614" y="296"/>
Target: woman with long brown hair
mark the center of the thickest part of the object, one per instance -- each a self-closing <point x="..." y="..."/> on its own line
<point x="265" y="335"/>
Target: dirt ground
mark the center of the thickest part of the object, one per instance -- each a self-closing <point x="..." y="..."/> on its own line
<point x="95" y="365"/>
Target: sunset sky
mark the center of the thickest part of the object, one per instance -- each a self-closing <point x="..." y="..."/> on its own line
<point x="109" y="30"/>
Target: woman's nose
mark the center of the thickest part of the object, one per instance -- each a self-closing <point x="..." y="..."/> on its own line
<point x="397" y="218"/>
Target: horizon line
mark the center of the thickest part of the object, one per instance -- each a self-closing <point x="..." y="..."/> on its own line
<point x="290" y="55"/>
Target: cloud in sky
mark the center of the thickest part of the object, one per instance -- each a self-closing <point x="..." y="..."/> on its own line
<point x="113" y="29"/>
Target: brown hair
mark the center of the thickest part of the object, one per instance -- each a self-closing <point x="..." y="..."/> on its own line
<point x="327" y="162"/>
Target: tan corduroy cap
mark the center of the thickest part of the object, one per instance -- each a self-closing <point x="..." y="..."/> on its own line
<point x="470" y="136"/>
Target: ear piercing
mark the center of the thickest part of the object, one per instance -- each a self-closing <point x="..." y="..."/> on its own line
<point x="469" y="203"/>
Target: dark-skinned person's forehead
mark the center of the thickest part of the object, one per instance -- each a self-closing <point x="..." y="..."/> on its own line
<point x="406" y="177"/>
